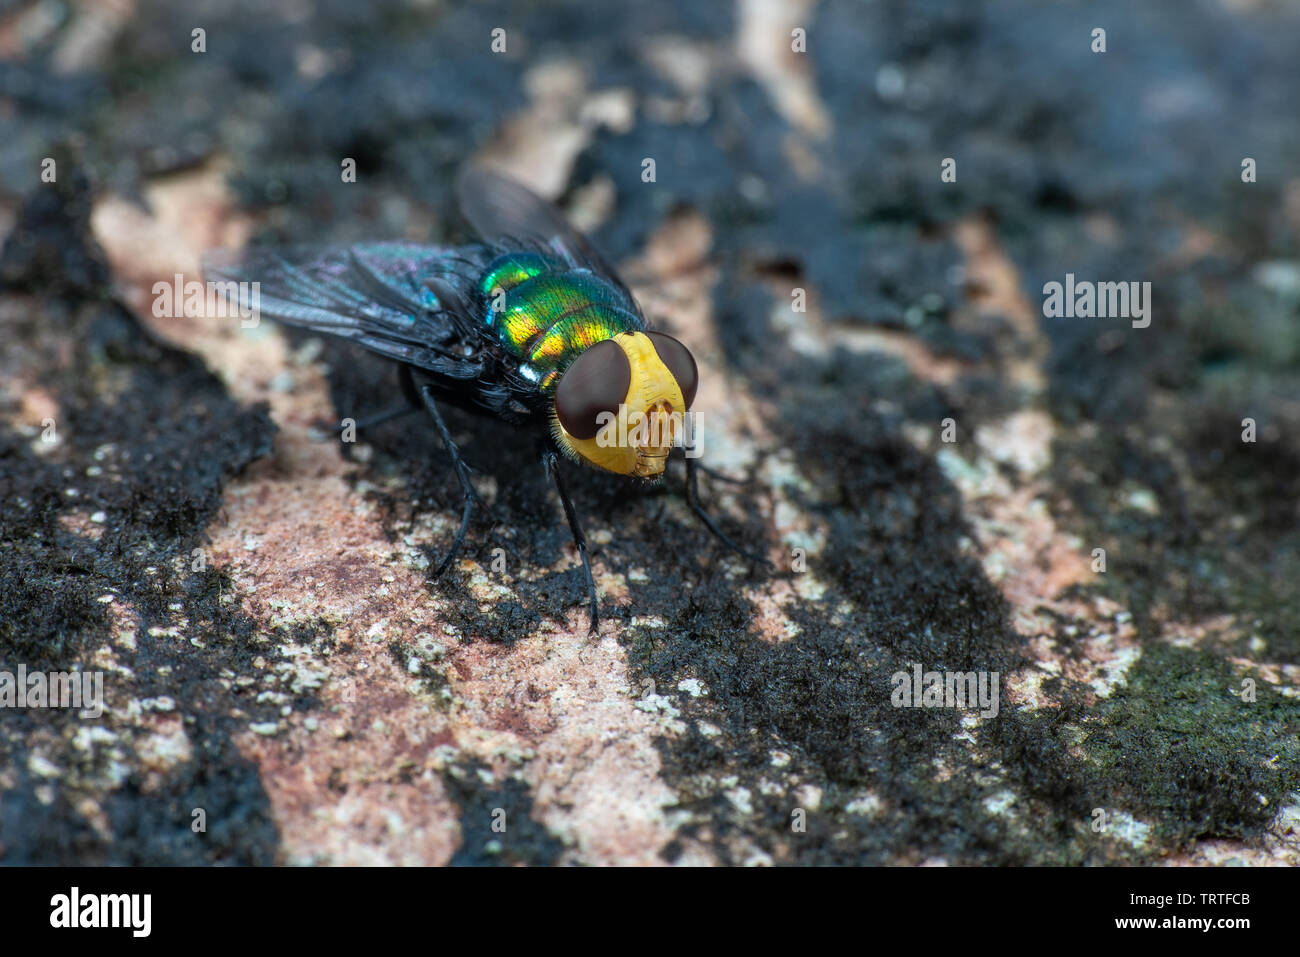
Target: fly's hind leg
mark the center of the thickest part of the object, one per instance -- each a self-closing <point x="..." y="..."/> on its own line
<point x="693" y="500"/>
<point x="379" y="418"/>
<point x="412" y="405"/>
<point x="550" y="462"/>
<point x="425" y="393"/>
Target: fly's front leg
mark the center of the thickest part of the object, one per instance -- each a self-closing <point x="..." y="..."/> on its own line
<point x="693" y="500"/>
<point x="462" y="473"/>
<point x="550" y="461"/>
<point x="718" y="476"/>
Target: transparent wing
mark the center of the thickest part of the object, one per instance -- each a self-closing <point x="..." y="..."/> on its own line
<point x="406" y="301"/>
<point x="501" y="209"/>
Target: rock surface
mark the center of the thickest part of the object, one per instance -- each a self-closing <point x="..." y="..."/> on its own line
<point x="931" y="464"/>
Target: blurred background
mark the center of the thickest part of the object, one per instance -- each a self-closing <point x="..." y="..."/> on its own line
<point x="1093" y="527"/>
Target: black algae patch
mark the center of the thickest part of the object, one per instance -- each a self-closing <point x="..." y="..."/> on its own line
<point x="496" y="823"/>
<point x="102" y="513"/>
<point x="1194" y="529"/>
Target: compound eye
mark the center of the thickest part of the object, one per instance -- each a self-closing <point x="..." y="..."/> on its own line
<point x="680" y="363"/>
<point x="596" y="382"/>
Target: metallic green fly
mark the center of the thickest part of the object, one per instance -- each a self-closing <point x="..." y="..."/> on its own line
<point x="530" y="326"/>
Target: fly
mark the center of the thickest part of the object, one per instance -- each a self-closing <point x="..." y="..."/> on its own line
<point x="530" y="326"/>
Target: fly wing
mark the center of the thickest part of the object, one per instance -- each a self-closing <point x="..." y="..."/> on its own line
<point x="500" y="208"/>
<point x="406" y="301"/>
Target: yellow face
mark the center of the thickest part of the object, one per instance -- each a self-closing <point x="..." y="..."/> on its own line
<point x="622" y="403"/>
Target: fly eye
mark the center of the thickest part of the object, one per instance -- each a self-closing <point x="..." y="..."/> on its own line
<point x="596" y="382"/>
<point x="680" y="363"/>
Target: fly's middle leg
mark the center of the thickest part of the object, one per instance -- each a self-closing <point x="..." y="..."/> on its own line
<point x="462" y="473"/>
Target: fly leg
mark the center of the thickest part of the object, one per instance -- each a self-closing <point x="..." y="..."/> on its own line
<point x="719" y="476"/>
<point x="379" y="418"/>
<point x="693" y="500"/>
<point x="551" y="463"/>
<point x="412" y="404"/>
<point x="462" y="473"/>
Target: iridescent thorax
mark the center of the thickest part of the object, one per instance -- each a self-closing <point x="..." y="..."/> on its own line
<point x="547" y="313"/>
